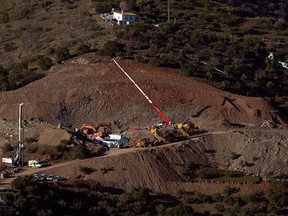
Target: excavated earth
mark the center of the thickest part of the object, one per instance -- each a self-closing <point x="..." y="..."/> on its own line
<point x="92" y="90"/>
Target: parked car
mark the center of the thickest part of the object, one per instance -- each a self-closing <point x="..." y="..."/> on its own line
<point x="35" y="178"/>
<point x="42" y="177"/>
<point x="57" y="178"/>
<point x="50" y="177"/>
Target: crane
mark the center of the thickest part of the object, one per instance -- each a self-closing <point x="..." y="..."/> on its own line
<point x="165" y="120"/>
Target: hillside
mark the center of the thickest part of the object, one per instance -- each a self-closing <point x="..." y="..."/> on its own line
<point x="208" y="64"/>
<point x="75" y="93"/>
<point x="235" y="38"/>
<point x="240" y="141"/>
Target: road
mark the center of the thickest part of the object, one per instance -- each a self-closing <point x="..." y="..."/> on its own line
<point x="5" y="183"/>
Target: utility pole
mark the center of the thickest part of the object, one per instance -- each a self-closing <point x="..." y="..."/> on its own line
<point x="20" y="141"/>
<point x="168" y="11"/>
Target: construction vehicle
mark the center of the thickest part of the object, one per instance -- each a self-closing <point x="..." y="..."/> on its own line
<point x="34" y="163"/>
<point x="116" y="141"/>
<point x="187" y="128"/>
<point x="144" y="142"/>
<point x="101" y="130"/>
<point x="165" y="130"/>
<point x="18" y="159"/>
<point x="165" y="120"/>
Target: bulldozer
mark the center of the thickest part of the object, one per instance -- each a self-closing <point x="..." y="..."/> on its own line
<point x="144" y="142"/>
<point x="187" y="129"/>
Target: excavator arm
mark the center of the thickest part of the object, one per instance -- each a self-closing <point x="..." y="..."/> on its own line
<point x="160" y="114"/>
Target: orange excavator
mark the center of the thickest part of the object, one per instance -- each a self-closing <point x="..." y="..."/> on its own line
<point x="101" y="130"/>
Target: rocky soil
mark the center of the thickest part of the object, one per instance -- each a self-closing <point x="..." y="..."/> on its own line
<point x="92" y="90"/>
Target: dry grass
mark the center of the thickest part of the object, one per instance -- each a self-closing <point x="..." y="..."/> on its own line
<point x="49" y="26"/>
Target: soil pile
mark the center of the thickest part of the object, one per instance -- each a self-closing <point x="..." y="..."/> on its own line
<point x="162" y="168"/>
<point x="77" y="92"/>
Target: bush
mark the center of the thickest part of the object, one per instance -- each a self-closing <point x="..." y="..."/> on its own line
<point x="78" y="152"/>
<point x="7" y="211"/>
<point x="103" y="7"/>
<point x="210" y="173"/>
<point x="106" y="170"/>
<point x="44" y="62"/>
<point x="94" y="185"/>
<point x="9" y="47"/>
<point x="32" y="149"/>
<point x="21" y="183"/>
<point x="139" y="194"/>
<point x="83" y="48"/>
<point x="7" y="148"/>
<point x="180" y="209"/>
<point x="62" y="54"/>
<point x="86" y="170"/>
<point x="217" y="197"/>
<point x="4" y="17"/>
<point x="111" y="48"/>
<point x="219" y="207"/>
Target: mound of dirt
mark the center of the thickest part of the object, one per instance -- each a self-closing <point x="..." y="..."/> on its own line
<point x="77" y="92"/>
<point x="161" y="168"/>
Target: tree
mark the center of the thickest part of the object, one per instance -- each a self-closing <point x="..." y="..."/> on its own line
<point x="111" y="48"/>
<point x="127" y="5"/>
<point x="4" y="18"/>
<point x="3" y="79"/>
<point x="62" y="54"/>
<point x="180" y="210"/>
<point x="21" y="183"/>
<point x="83" y="48"/>
<point x="44" y="62"/>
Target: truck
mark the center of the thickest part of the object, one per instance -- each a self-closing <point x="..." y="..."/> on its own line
<point x="116" y="141"/>
<point x="35" y="163"/>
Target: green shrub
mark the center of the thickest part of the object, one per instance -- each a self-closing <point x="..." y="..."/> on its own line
<point x="78" y="152"/>
<point x="180" y="209"/>
<point x="94" y="185"/>
<point x="9" y="47"/>
<point x="83" y="48"/>
<point x="7" y="147"/>
<point x="86" y="170"/>
<point x="62" y="54"/>
<point x="32" y="148"/>
<point x="140" y="194"/>
<point x="4" y="17"/>
<point x="111" y="48"/>
<point x="44" y="62"/>
<point x="21" y="183"/>
<point x="219" y="207"/>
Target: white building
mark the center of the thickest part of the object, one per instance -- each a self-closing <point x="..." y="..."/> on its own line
<point x="124" y="17"/>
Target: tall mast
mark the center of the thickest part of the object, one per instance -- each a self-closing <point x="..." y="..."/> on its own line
<point x="20" y="141"/>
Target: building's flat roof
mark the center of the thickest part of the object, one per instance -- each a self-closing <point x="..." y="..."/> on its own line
<point x="125" y="13"/>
